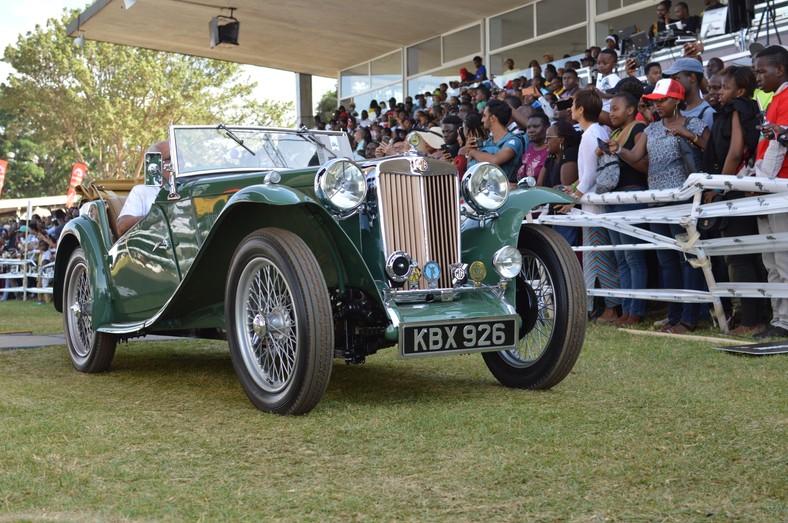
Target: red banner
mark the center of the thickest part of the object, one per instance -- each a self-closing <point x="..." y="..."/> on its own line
<point x="3" y="168"/>
<point x="77" y="174"/>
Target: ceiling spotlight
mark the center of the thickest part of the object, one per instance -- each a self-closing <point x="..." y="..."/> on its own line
<point x="223" y="30"/>
<point x="127" y="4"/>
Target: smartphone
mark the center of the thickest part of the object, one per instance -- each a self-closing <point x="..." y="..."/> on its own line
<point x="386" y="139"/>
<point x="602" y="145"/>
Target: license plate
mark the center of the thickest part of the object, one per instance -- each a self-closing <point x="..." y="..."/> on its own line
<point x="465" y="336"/>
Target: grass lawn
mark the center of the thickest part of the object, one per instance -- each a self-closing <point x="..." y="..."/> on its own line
<point x="644" y="429"/>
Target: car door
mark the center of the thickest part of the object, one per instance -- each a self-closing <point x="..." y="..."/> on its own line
<point x="144" y="268"/>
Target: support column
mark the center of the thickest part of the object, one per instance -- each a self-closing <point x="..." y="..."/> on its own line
<point x="304" y="110"/>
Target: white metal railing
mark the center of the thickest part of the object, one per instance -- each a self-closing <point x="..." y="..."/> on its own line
<point x="771" y="197"/>
<point x="15" y="273"/>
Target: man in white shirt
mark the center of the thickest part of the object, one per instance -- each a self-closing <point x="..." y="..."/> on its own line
<point x="141" y="197"/>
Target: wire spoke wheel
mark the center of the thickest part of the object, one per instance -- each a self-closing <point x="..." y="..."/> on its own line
<point x="534" y="343"/>
<point x="270" y="331"/>
<point x="550" y="294"/>
<point x="90" y="351"/>
<point x="279" y="324"/>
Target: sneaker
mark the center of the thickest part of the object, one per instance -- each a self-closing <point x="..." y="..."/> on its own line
<point x="662" y="323"/>
<point x="772" y="332"/>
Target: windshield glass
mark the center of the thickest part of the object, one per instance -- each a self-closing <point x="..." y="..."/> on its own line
<point x="200" y="149"/>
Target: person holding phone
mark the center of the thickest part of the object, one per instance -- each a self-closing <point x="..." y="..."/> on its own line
<point x="502" y="148"/>
<point x="663" y="19"/>
<point x="666" y="170"/>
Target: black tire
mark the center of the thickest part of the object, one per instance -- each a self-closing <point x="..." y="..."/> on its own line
<point x="90" y="351"/>
<point x="279" y="324"/>
<point x="551" y="301"/>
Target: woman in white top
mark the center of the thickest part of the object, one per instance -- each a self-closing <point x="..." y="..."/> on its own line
<point x="599" y="267"/>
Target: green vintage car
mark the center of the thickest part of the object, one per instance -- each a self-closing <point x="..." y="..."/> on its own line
<point x="277" y="242"/>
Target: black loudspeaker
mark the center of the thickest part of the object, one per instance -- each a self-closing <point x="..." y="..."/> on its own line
<point x="740" y="14"/>
<point x="224" y="31"/>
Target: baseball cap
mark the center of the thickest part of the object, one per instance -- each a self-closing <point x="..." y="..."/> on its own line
<point x="666" y="88"/>
<point x="687" y="65"/>
<point x="433" y="138"/>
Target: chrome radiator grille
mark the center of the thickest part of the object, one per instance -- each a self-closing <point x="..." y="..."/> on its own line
<point x="420" y="215"/>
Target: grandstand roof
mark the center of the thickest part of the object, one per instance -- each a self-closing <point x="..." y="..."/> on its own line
<point x="318" y="37"/>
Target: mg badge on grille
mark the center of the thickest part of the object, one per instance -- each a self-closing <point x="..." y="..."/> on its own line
<point x="459" y="276"/>
<point x="420" y="164"/>
<point x="432" y="273"/>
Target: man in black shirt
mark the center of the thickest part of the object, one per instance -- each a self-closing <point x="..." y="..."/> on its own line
<point x="689" y="22"/>
<point x="451" y="126"/>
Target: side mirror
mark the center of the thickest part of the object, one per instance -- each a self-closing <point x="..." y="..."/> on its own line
<point x="153" y="170"/>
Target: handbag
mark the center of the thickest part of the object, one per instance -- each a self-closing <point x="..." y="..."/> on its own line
<point x="687" y="150"/>
<point x="608" y="173"/>
<point x="608" y="170"/>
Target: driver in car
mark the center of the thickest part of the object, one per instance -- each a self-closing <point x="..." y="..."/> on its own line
<point x="141" y="197"/>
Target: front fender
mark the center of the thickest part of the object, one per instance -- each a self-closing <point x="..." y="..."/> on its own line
<point x="480" y="240"/>
<point x="85" y="233"/>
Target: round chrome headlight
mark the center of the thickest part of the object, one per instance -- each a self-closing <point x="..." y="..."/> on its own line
<point x="485" y="187"/>
<point x="341" y="185"/>
<point x="507" y="262"/>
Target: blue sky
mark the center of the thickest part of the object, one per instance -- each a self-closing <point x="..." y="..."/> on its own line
<point x="20" y="16"/>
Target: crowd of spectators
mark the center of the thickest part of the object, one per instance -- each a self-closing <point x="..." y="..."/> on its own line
<point x="549" y="127"/>
<point x="33" y="240"/>
<point x="555" y="129"/>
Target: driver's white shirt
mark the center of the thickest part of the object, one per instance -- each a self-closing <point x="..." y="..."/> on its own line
<point x="139" y="200"/>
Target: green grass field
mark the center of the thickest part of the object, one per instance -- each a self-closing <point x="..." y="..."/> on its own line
<point x="644" y="429"/>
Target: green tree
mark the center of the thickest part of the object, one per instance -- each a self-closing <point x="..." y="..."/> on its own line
<point x="104" y="104"/>
<point x="327" y="105"/>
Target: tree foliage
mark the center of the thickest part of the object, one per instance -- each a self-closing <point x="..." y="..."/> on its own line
<point x="104" y="104"/>
<point x="327" y="105"/>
